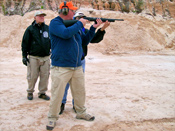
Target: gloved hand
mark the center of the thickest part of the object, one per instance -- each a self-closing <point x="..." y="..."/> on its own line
<point x="25" y="60"/>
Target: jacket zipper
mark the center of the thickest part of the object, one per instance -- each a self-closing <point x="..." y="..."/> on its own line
<point x="78" y="50"/>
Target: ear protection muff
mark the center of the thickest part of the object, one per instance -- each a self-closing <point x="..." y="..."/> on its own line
<point x="65" y="9"/>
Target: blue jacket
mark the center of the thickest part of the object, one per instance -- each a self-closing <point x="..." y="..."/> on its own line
<point x="66" y="42"/>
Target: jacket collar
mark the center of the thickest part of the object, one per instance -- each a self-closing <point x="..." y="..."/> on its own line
<point x="36" y="24"/>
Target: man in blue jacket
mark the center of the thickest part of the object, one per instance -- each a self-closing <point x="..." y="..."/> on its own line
<point x="66" y="48"/>
<point x="98" y="37"/>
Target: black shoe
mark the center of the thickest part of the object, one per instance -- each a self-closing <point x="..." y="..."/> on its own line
<point x="30" y="96"/>
<point x="74" y="109"/>
<point x="44" y="96"/>
<point x="62" y="108"/>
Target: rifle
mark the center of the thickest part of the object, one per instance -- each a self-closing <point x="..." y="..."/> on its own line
<point x="68" y="23"/>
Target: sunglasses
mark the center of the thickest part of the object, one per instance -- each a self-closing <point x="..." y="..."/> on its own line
<point x="80" y="17"/>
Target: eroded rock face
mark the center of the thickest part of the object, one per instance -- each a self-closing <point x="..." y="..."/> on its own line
<point x="20" y="7"/>
<point x="136" y="33"/>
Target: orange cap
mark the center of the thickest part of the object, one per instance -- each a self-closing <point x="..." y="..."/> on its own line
<point x="69" y="5"/>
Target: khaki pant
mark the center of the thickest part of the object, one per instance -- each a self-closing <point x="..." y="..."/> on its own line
<point x="60" y="76"/>
<point x="38" y="67"/>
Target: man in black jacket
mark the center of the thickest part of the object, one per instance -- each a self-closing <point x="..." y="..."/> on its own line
<point x="96" y="39"/>
<point x="36" y="55"/>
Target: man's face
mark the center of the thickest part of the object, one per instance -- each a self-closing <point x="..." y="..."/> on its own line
<point x="39" y="19"/>
<point x="71" y="14"/>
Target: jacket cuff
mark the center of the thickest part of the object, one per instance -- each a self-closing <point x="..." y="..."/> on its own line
<point x="92" y="28"/>
<point x="102" y="32"/>
<point x="80" y="23"/>
<point x="24" y="55"/>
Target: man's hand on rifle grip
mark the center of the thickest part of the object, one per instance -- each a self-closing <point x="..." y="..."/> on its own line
<point x="97" y="23"/>
<point x="83" y="21"/>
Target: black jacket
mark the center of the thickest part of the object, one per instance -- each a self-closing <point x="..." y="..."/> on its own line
<point x="96" y="39"/>
<point x="36" y="40"/>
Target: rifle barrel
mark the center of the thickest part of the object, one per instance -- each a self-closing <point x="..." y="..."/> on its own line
<point x="103" y="19"/>
<point x="119" y="19"/>
<point x="68" y="23"/>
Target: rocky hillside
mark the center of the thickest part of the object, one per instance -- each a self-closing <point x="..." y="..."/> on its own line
<point x="136" y="33"/>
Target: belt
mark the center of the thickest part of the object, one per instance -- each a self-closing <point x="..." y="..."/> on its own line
<point x="74" y="68"/>
<point x="71" y="68"/>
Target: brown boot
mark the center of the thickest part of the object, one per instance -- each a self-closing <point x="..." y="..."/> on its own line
<point x="86" y="117"/>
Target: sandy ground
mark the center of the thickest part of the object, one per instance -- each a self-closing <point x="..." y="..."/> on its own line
<point x="124" y="92"/>
<point x="130" y="79"/>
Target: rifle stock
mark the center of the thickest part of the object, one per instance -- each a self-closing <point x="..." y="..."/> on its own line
<point x="68" y="23"/>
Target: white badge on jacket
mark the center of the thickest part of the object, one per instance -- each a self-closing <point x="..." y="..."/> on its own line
<point x="45" y="34"/>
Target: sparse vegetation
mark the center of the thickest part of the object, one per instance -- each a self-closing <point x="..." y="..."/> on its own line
<point x="139" y="6"/>
<point x="19" y="7"/>
<point x="3" y="9"/>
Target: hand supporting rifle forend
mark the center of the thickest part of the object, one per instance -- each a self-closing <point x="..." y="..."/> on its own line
<point x="68" y="23"/>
